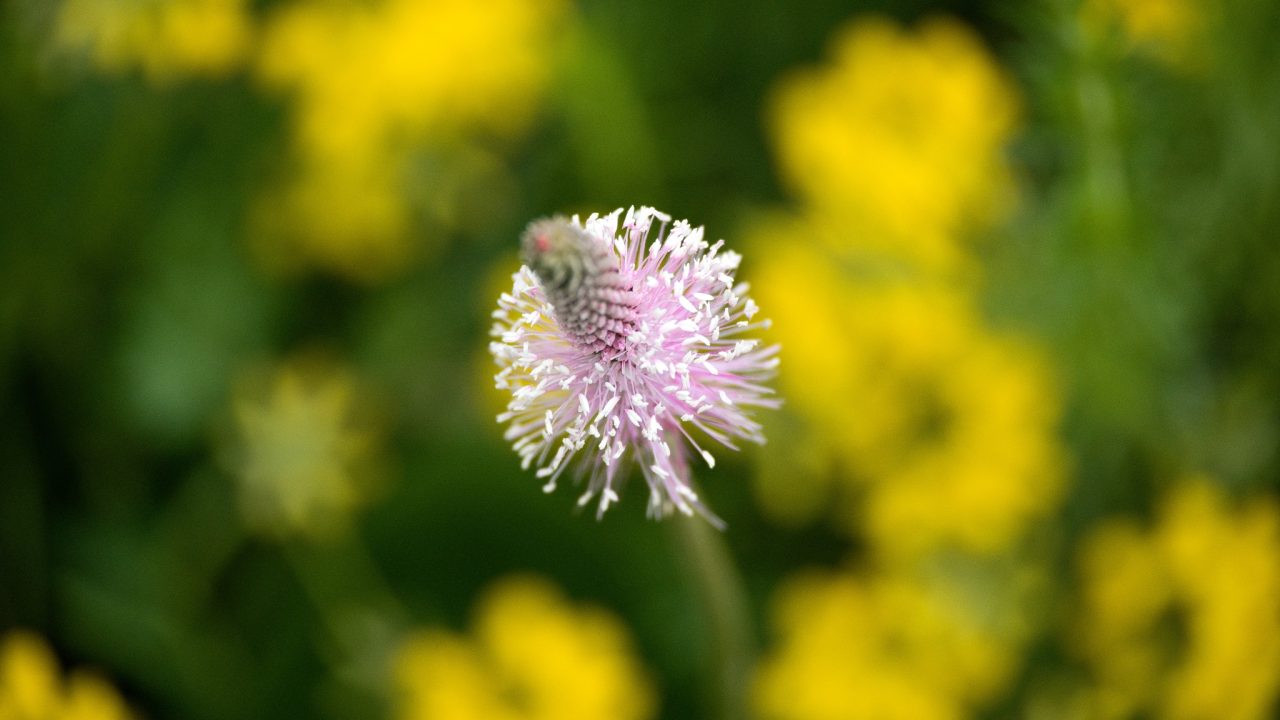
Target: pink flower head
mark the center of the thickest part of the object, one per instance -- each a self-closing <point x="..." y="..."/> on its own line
<point x="622" y="345"/>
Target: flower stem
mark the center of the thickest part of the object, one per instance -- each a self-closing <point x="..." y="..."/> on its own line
<point x="362" y="620"/>
<point x="711" y="569"/>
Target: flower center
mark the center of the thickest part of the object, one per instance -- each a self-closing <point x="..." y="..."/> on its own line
<point x="581" y="277"/>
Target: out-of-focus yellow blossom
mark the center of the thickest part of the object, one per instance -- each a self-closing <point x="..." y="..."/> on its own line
<point x="166" y="39"/>
<point x="373" y="83"/>
<point x="532" y="656"/>
<point x="884" y="647"/>
<point x="899" y="140"/>
<point x="1167" y="28"/>
<point x="1182" y="620"/>
<point x="31" y="687"/>
<point x="308" y="450"/>
<point x="939" y="432"/>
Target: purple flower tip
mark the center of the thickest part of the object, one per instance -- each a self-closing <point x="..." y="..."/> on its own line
<point x="619" y="344"/>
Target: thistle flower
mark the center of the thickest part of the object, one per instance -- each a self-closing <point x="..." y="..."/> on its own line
<point x="621" y="346"/>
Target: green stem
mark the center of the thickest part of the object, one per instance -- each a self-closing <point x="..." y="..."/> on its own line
<point x="362" y="620"/>
<point x="1106" y="180"/>
<point x="724" y="603"/>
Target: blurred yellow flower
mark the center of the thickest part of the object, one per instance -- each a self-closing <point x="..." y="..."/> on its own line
<point x="1181" y="620"/>
<point x="308" y="452"/>
<point x="31" y="689"/>
<point x="165" y="39"/>
<point x="1167" y="28"/>
<point x="939" y="433"/>
<point x="371" y="84"/>
<point x="899" y="140"/>
<point x="532" y="656"/>
<point x="884" y="647"/>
